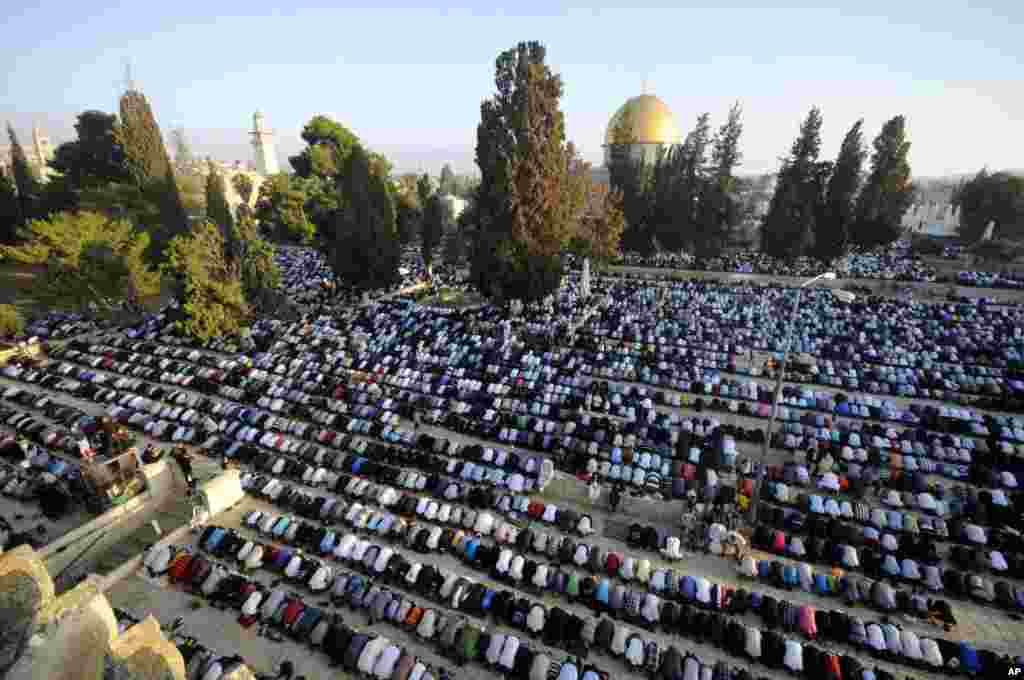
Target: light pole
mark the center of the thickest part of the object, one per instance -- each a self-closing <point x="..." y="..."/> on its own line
<point x="842" y="295"/>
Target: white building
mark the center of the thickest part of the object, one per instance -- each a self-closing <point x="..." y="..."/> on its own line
<point x="38" y="153"/>
<point x="932" y="219"/>
<point x="263" y="144"/>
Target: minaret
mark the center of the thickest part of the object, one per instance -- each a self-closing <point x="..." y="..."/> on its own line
<point x="42" y="152"/>
<point x="263" y="143"/>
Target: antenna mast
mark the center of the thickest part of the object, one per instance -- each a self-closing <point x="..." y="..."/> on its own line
<point x="129" y="81"/>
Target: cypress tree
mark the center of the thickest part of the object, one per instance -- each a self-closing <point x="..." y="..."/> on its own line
<point x="788" y="226"/>
<point x="521" y="151"/>
<point x="139" y="137"/>
<point x="888" y="191"/>
<point x="363" y="248"/>
<point x="446" y="185"/>
<point x="435" y="217"/>
<point x="26" y="181"/>
<point x="150" y="167"/>
<point x="217" y="209"/>
<point x="833" y="229"/>
<point x="9" y="211"/>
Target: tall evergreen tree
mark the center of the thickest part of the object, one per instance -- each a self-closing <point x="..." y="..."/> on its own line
<point x="832" y="237"/>
<point x="10" y="212"/>
<point x="424" y="190"/>
<point x="522" y="157"/>
<point x="633" y="180"/>
<point x="139" y="136"/>
<point x="363" y="248"/>
<point x="217" y="209"/>
<point x="95" y="157"/>
<point x="789" y="225"/>
<point x="446" y="184"/>
<point x="26" y="179"/>
<point x="435" y="218"/>
<point x="996" y="197"/>
<point x="150" y="167"/>
<point x="719" y="204"/>
<point x="329" y="144"/>
<point x="888" y="191"/>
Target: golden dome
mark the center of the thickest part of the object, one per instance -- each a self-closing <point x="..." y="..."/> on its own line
<point x="644" y="120"/>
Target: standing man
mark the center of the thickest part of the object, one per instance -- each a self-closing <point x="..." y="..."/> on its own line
<point x="181" y="455"/>
<point x="594" y="490"/>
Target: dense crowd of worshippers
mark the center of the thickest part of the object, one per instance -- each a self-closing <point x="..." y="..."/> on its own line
<point x="894" y="262"/>
<point x="503" y="377"/>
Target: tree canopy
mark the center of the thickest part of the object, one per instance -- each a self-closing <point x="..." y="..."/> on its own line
<point x="217" y="209"/>
<point x="888" y="191"/>
<point x="10" y="213"/>
<point x="446" y="184"/>
<point x="522" y="222"/>
<point x="329" y="144"/>
<point x="436" y="216"/>
<point x="150" y="167"/>
<point x="243" y="186"/>
<point x="996" y="197"/>
<point x="362" y="247"/>
<point x="95" y="157"/>
<point x="834" y="226"/>
<point x="88" y="258"/>
<point x="281" y="210"/>
<point x="209" y="287"/>
<point x="11" y="322"/>
<point x="688" y="197"/>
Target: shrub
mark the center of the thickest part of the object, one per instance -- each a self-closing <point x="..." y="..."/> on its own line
<point x="11" y="322"/>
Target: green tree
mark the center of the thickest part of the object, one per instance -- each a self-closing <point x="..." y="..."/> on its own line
<point x="11" y="323"/>
<point x="88" y="258"/>
<point x="888" y="191"/>
<point x="522" y="158"/>
<point x="789" y="226"/>
<point x="633" y="179"/>
<point x="832" y="237"/>
<point x="363" y="247"/>
<point x="150" y="167"/>
<point x="436" y="216"/>
<point x="243" y="186"/>
<point x="599" y="232"/>
<point x="95" y="157"/>
<point x="217" y="209"/>
<point x="26" y="180"/>
<point x="719" y="208"/>
<point x="447" y="184"/>
<point x="139" y="136"/>
<point x="407" y="216"/>
<point x="192" y="189"/>
<point x="208" y="286"/>
<point x="10" y="212"/>
<point x="424" y="190"/>
<point x="280" y="209"/>
<point x="990" y="197"/>
<point x="257" y="267"/>
<point x="329" y="144"/>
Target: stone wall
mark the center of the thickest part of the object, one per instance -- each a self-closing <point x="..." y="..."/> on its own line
<point x="73" y="636"/>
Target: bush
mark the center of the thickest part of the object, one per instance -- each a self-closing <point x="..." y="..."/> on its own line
<point x="11" y="322"/>
<point x="998" y="250"/>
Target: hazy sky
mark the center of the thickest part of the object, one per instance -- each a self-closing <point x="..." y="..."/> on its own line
<point x="409" y="80"/>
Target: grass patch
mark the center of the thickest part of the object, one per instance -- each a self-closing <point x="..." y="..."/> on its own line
<point x="452" y="297"/>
